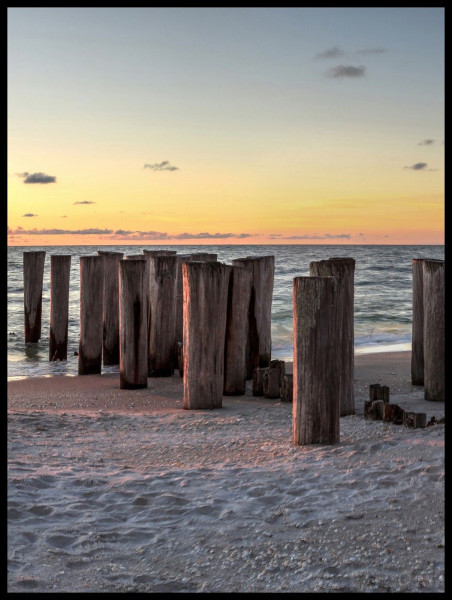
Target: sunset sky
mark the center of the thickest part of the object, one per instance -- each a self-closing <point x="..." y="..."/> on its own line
<point x="225" y="125"/>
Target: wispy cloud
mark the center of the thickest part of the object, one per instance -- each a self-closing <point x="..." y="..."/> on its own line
<point x="37" y="177"/>
<point x="420" y="166"/>
<point x="163" y="166"/>
<point x="85" y="202"/>
<point x="333" y="52"/>
<point x="376" y="50"/>
<point x="92" y="231"/>
<point x="426" y="142"/>
<point x="129" y="234"/>
<point x="316" y="236"/>
<point x="29" y="215"/>
<point x="349" y="71"/>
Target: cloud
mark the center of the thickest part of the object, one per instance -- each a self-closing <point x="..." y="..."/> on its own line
<point x="29" y="215"/>
<point x="346" y="71"/>
<point x="163" y="166"/>
<point x="36" y="177"/>
<point x="376" y="50"/>
<point x="426" y="142"/>
<point x="325" y="236"/>
<point x="420" y="166"/>
<point x="130" y="234"/>
<point x="85" y="202"/>
<point x="210" y="236"/>
<point x="92" y="231"/>
<point x="333" y="52"/>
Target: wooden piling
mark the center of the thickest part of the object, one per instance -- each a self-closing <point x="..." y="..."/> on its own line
<point x="344" y="270"/>
<point x="287" y="388"/>
<point x="417" y="327"/>
<point x="160" y="252"/>
<point x="258" y="381"/>
<point x="91" y="315"/>
<point x="33" y="273"/>
<point x="434" y="329"/>
<point x="110" y="339"/>
<point x="133" y="289"/>
<point x="60" y="271"/>
<point x="181" y="258"/>
<point x="316" y="378"/>
<point x="162" y="309"/>
<point x="204" y="319"/>
<point x="272" y="383"/>
<point x="236" y="331"/>
<point x="258" y="352"/>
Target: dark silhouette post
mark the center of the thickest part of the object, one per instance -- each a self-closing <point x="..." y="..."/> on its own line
<point x="91" y="315"/>
<point x="33" y="270"/>
<point x="417" y="327"/>
<point x="60" y="271"/>
<point x="434" y="330"/>
<point x="110" y="343"/>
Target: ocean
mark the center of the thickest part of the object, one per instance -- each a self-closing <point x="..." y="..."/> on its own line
<point x="383" y="297"/>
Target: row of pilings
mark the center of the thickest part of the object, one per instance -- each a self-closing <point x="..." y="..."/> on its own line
<point x="154" y="312"/>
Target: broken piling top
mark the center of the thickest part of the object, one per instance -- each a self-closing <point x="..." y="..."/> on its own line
<point x="205" y="294"/>
<point x="344" y="269"/>
<point x="33" y="273"/>
<point x="260" y="306"/>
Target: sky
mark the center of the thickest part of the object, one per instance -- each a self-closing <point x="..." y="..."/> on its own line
<point x="225" y="125"/>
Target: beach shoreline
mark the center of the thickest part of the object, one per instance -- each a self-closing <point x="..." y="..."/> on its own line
<point x="115" y="490"/>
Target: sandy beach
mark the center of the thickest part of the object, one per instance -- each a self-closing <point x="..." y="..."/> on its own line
<point x="115" y="490"/>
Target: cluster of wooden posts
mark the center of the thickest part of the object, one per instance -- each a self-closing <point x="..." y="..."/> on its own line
<point x="158" y="311"/>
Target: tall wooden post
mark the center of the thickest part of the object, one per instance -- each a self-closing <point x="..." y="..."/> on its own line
<point x="316" y="406"/>
<point x="110" y="343"/>
<point x="237" y="331"/>
<point x="205" y="308"/>
<point x="133" y="287"/>
<point x="434" y="330"/>
<point x="162" y="327"/>
<point x="91" y="315"/>
<point x="33" y="270"/>
<point x="60" y="271"/>
<point x="344" y="270"/>
<point x="181" y="258"/>
<point x="258" y="351"/>
<point x="417" y="327"/>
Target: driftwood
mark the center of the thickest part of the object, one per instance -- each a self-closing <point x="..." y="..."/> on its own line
<point x="344" y="270"/>
<point x="204" y="317"/>
<point x="33" y="271"/>
<point x="91" y="315"/>
<point x="434" y="330"/>
<point x="236" y="331"/>
<point x="272" y="382"/>
<point x="60" y="271"/>
<point x="258" y="350"/>
<point x="316" y="408"/>
<point x="133" y="367"/>
<point x="110" y="343"/>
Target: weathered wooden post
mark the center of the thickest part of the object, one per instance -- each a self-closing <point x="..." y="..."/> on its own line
<point x="60" y="271"/>
<point x="237" y="331"/>
<point x="160" y="252"/>
<point x="133" y="288"/>
<point x="181" y="258"/>
<point x="162" y="309"/>
<point x="91" y="315"/>
<point x="344" y="270"/>
<point x="287" y="388"/>
<point x="110" y="342"/>
<point x="144" y="258"/>
<point x="205" y="310"/>
<point x="316" y="405"/>
<point x="258" y="351"/>
<point x="258" y="381"/>
<point x="33" y="271"/>
<point x="434" y="325"/>
<point x="272" y="383"/>
<point x="417" y="327"/>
